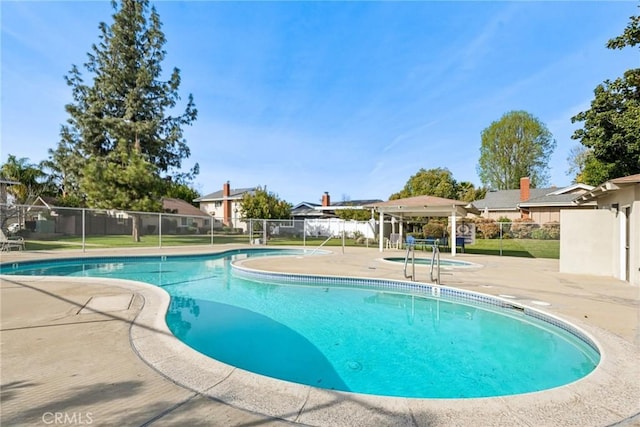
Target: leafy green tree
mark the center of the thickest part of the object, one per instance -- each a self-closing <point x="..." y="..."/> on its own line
<point x="264" y="205"/>
<point x="125" y="111"/>
<point x="629" y="37"/>
<point x="612" y="125"/>
<point x="513" y="147"/>
<point x="437" y="182"/>
<point x="182" y="191"/>
<point x="586" y="168"/>
<point x="354" y="214"/>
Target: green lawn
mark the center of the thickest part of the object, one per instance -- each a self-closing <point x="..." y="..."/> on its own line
<point x="510" y="247"/>
<point x="528" y="248"/>
<point x="119" y="241"/>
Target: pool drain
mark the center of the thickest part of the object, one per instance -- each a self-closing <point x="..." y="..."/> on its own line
<point x="354" y="365"/>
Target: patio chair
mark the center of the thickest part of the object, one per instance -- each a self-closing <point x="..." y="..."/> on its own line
<point x="394" y="241"/>
<point x="8" y="243"/>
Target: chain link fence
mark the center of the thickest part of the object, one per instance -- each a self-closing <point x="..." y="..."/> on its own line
<point x="47" y="227"/>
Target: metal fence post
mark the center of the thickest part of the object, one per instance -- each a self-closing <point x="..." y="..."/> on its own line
<point x="212" y="221"/>
<point x="264" y="232"/>
<point x="500" y="238"/>
<point x="304" y="233"/>
<point x="83" y="229"/>
<point x="159" y="230"/>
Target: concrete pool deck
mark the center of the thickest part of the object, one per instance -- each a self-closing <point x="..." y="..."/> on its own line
<point x="98" y="352"/>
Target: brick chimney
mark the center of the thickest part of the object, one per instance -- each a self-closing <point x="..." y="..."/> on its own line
<point x="524" y="189"/>
<point x="326" y="200"/>
<point x="226" y="203"/>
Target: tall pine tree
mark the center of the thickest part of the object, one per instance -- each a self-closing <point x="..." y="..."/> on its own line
<point x="124" y="123"/>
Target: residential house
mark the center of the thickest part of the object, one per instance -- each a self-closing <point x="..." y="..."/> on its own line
<point x="542" y="205"/>
<point x="224" y="205"/>
<point x="306" y="210"/>
<point x="604" y="241"/>
<point x="184" y="218"/>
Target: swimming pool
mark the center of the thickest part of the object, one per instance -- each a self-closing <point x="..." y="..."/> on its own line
<point x="367" y="336"/>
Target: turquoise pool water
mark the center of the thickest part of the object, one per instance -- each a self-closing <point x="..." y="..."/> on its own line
<point x="427" y="261"/>
<point x="347" y="338"/>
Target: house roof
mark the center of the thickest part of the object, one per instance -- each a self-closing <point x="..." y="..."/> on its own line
<point x="178" y="206"/>
<point x="631" y="179"/>
<point x="46" y="201"/>
<point x="507" y="199"/>
<point x="563" y="197"/>
<point x="355" y="203"/>
<point x="611" y="185"/>
<point x="305" y="204"/>
<point x="538" y="197"/>
<point x="234" y="193"/>
<point x="306" y="209"/>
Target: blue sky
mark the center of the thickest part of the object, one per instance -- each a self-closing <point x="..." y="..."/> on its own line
<point x="346" y="97"/>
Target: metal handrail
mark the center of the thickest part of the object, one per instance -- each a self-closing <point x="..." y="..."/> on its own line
<point x="321" y="245"/>
<point x="435" y="259"/>
<point x="410" y="249"/>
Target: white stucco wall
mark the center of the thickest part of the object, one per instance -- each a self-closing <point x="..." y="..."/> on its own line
<point x="586" y="242"/>
<point x="627" y="197"/>
<point x="591" y="241"/>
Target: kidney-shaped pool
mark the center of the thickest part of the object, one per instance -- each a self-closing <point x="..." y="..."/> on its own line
<point x="371" y="336"/>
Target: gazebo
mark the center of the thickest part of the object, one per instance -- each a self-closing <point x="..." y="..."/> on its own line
<point x="424" y="206"/>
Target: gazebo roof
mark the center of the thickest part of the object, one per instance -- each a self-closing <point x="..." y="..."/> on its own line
<point x="425" y="206"/>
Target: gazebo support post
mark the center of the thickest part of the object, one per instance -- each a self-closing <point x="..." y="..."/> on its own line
<point x="381" y="232"/>
<point x="453" y="232"/>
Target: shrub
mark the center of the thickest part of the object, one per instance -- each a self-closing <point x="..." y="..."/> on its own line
<point x="505" y="224"/>
<point x="522" y="228"/>
<point x="549" y="231"/>
<point x="434" y="229"/>
<point x="487" y="228"/>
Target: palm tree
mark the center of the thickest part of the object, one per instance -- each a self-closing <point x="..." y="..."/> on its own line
<point x="33" y="180"/>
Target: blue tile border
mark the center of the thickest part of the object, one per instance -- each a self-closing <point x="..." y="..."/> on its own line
<point x="10" y="267"/>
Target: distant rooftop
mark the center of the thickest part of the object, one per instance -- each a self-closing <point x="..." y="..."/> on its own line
<point x="234" y="193"/>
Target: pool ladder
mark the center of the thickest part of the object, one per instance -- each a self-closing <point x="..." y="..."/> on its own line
<point x="435" y="262"/>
